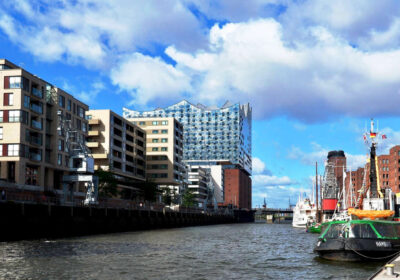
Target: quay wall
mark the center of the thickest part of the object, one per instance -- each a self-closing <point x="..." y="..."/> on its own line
<point x="34" y="221"/>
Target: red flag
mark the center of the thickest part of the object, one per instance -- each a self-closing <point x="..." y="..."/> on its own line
<point x="384" y="136"/>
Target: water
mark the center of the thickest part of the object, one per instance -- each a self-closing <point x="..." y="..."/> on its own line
<point x="239" y="251"/>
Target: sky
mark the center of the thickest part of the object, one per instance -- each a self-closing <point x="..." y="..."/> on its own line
<point x="314" y="72"/>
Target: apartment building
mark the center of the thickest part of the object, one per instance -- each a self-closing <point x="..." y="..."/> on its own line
<point x="117" y="145"/>
<point x="164" y="150"/>
<point x="198" y="183"/>
<point x="32" y="149"/>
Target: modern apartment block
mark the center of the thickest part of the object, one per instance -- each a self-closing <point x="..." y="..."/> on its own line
<point x="164" y="150"/>
<point x="32" y="150"/>
<point x="210" y="133"/>
<point x="216" y="171"/>
<point x="198" y="183"/>
<point x="117" y="145"/>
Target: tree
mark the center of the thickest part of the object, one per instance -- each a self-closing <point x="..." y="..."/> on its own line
<point x="188" y="198"/>
<point x="107" y="183"/>
<point x="167" y="196"/>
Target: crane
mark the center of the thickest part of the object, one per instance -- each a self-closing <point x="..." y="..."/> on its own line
<point x="81" y="163"/>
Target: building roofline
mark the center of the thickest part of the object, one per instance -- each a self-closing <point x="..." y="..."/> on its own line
<point x="205" y="108"/>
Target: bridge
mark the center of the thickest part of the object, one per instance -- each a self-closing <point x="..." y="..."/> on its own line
<point x="273" y="214"/>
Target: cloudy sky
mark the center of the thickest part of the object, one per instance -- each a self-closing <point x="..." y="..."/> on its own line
<point x="314" y="71"/>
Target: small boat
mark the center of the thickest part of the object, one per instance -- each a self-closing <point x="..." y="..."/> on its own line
<point x="303" y="212"/>
<point x="314" y="228"/>
<point x="359" y="240"/>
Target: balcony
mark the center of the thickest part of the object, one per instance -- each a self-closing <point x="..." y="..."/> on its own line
<point x="35" y="156"/>
<point x="94" y="121"/>
<point x="37" y="92"/>
<point x="92" y="144"/>
<point x="37" y="108"/>
<point x="36" y="124"/>
<point x="93" y="133"/>
<point x="35" y="140"/>
<point x="100" y="156"/>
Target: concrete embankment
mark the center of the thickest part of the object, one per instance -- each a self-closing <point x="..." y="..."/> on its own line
<point x="32" y="221"/>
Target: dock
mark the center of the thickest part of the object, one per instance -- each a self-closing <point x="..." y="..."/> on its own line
<point x="391" y="270"/>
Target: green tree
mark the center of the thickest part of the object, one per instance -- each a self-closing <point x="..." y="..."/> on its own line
<point x="166" y="196"/>
<point x="150" y="191"/>
<point x="188" y="198"/>
<point x="107" y="183"/>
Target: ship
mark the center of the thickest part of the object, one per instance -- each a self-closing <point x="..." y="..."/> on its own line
<point x="303" y="212"/>
<point x="370" y="233"/>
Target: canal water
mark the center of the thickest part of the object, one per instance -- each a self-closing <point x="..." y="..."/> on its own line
<point x="237" y="251"/>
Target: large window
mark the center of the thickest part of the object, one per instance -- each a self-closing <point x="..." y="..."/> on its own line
<point x="155" y="122"/>
<point x="164" y="122"/>
<point x="59" y="159"/>
<point x="8" y="99"/>
<point x="154" y="149"/>
<point x="16" y="82"/>
<point x="27" y="101"/>
<point x="1" y="133"/>
<point x="164" y="140"/>
<point x="164" y="149"/>
<point x="1" y="116"/>
<point x="61" y="101"/>
<point x="69" y="105"/>
<point x="60" y="145"/>
<point x="14" y="116"/>
<point x="13" y="150"/>
<point x="154" y="140"/>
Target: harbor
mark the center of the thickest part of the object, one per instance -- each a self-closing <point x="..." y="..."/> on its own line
<point x="233" y="251"/>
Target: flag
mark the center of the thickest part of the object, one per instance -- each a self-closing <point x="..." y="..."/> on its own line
<point x="372" y="134"/>
<point x="384" y="136"/>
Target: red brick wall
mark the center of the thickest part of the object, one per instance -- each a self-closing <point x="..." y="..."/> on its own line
<point x="237" y="188"/>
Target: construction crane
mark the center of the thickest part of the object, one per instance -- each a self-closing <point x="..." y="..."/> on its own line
<point x="81" y="164"/>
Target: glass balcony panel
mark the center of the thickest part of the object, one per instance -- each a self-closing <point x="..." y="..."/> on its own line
<point x="37" y="92"/>
<point x="37" y="108"/>
<point x="36" y="124"/>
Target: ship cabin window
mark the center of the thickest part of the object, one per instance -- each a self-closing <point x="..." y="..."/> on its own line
<point x="387" y="230"/>
<point x="335" y="231"/>
<point x="362" y="231"/>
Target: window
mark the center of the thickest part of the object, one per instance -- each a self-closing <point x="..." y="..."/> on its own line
<point x="164" y="131"/>
<point x="155" y="131"/>
<point x="155" y="123"/>
<point x="1" y="116"/>
<point x="154" y="149"/>
<point x="164" y="122"/>
<point x="13" y="150"/>
<point x="27" y="101"/>
<point x="154" y="140"/>
<point x="143" y="123"/>
<point x="84" y="127"/>
<point x="59" y="159"/>
<point x="60" y="145"/>
<point x="164" y="140"/>
<point x="164" y="149"/>
<point x="78" y="124"/>
<point x="14" y="116"/>
<point x="81" y="112"/>
<point x="69" y="105"/>
<point x="61" y="101"/>
<point x="8" y="99"/>
<point x="16" y="82"/>
<point x="1" y="133"/>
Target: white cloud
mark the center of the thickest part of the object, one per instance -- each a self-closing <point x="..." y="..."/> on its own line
<point x="258" y="165"/>
<point x="319" y="154"/>
<point x="271" y="180"/>
<point x="92" y="31"/>
<point x="149" y="78"/>
<point x="314" y="60"/>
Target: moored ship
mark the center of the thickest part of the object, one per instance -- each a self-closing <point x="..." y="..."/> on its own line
<point x="370" y="234"/>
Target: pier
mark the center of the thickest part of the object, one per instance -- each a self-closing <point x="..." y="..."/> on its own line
<point x="273" y="215"/>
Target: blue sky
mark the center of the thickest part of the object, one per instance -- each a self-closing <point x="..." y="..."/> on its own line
<point x="314" y="71"/>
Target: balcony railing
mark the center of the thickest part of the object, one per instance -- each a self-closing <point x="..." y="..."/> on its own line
<point x="35" y="156"/>
<point x="36" y="108"/>
<point x="35" y="140"/>
<point x="36" y="124"/>
<point x="37" y="92"/>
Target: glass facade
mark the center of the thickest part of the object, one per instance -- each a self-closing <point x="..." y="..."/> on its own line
<point x="210" y="133"/>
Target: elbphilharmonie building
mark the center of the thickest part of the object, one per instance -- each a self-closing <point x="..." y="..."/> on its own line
<point x="210" y="133"/>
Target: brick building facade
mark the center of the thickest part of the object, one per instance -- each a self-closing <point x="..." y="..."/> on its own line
<point x="237" y="188"/>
